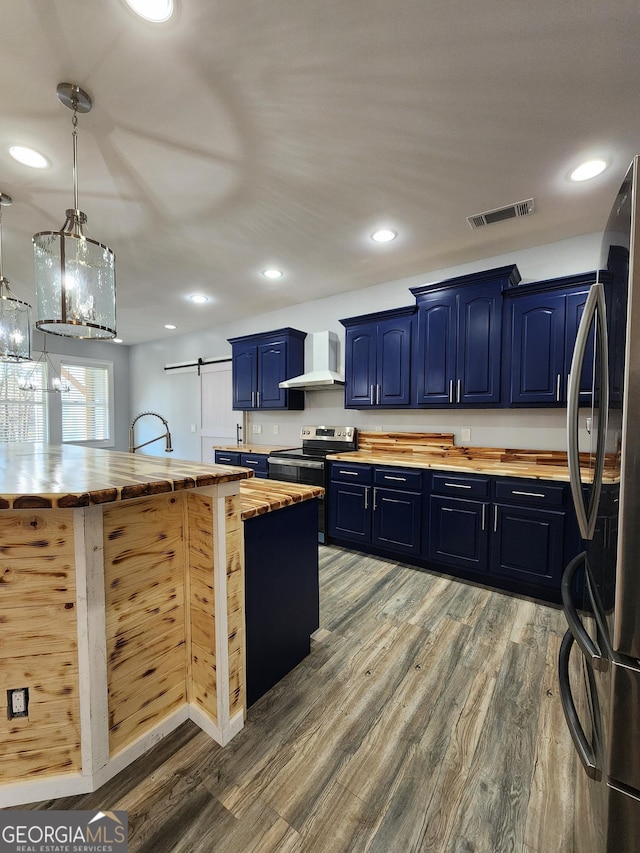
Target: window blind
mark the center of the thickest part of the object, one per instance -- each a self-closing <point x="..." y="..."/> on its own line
<point x="85" y="408"/>
<point x="23" y="414"/>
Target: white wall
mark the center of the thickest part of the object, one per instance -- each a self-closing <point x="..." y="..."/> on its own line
<point x="176" y="396"/>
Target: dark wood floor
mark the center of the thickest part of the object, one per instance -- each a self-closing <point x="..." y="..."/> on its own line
<point x="426" y="718"/>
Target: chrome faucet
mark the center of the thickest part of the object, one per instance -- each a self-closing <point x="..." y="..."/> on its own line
<point x="166" y="435"/>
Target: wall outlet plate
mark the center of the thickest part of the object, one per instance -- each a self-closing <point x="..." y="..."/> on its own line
<point x="256" y="429"/>
<point x="18" y="702"/>
<point x="276" y="429"/>
<point x="466" y="434"/>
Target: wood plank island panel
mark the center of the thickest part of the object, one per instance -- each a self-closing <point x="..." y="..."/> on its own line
<point x="39" y="644"/>
<point x="144" y="568"/>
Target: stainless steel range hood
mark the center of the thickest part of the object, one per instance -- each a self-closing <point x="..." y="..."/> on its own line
<point x="324" y="361"/>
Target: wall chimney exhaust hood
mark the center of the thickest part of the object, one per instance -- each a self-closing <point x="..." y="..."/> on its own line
<point x="324" y="361"/>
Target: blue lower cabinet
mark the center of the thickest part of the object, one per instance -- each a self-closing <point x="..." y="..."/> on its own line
<point x="528" y="544"/>
<point x="397" y="520"/>
<point x="350" y="512"/>
<point x="458" y="532"/>
<point x="258" y="462"/>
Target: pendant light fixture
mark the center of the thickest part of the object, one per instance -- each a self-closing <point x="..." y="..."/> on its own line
<point x="75" y="276"/>
<point x="15" y="322"/>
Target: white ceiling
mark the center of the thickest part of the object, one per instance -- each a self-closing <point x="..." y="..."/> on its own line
<point x="246" y="134"/>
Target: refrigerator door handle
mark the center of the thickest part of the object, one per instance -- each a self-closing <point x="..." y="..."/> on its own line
<point x="582" y="745"/>
<point x="594" y="307"/>
<point x="577" y="629"/>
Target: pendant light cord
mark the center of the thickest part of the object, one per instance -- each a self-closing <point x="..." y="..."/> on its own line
<point x="75" y="153"/>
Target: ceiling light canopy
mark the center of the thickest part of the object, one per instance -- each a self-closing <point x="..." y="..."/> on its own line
<point x="75" y="276"/>
<point x="156" y="11"/>
<point x="589" y="169"/>
<point x="384" y="235"/>
<point x="199" y="298"/>
<point x="15" y="325"/>
<point x="272" y="273"/>
<point x="28" y="157"/>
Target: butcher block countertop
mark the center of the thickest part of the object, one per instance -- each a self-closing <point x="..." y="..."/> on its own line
<point x="259" y="496"/>
<point x="39" y="476"/>
<point x="437" y="451"/>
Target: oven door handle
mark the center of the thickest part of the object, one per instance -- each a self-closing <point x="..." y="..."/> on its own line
<point x="296" y="463"/>
<point x="583" y="747"/>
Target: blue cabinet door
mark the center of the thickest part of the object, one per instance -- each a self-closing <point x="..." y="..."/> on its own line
<point x="272" y="363"/>
<point x="528" y="544"/>
<point x="437" y="348"/>
<point x="360" y="366"/>
<point x="397" y="520"/>
<point x="574" y="312"/>
<point x="350" y="512"/>
<point x="479" y="345"/>
<point x="538" y="348"/>
<point x="458" y="533"/>
<point x="393" y="357"/>
<point x="244" y="370"/>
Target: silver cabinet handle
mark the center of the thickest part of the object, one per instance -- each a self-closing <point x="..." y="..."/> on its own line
<point x="594" y="307"/>
<point x="446" y="509"/>
<point x="377" y="395"/>
<point x="257" y="399"/>
<point x="350" y="473"/>
<point x="457" y="486"/>
<point x="451" y="390"/>
<point x="558" y="388"/>
<point x="366" y="497"/>
<point x="484" y="513"/>
<point x="459" y="390"/>
<point x="371" y="394"/>
<point x="389" y="477"/>
<point x="375" y="499"/>
<point x="249" y="462"/>
<point x="528" y="494"/>
<point x="495" y="518"/>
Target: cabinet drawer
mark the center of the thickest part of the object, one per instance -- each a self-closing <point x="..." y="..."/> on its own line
<point x="225" y="457"/>
<point x="461" y="486"/>
<point x="531" y="492"/>
<point x="348" y="473"/>
<point x="256" y="461"/>
<point x="398" y="478"/>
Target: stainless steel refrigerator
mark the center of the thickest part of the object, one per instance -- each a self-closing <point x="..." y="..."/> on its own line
<point x="601" y="587"/>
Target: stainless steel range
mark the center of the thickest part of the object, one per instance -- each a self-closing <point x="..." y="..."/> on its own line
<point x="307" y="464"/>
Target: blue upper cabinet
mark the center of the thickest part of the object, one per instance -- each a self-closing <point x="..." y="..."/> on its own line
<point x="541" y="325"/>
<point x="458" y="352"/>
<point x="378" y="353"/>
<point x="260" y="362"/>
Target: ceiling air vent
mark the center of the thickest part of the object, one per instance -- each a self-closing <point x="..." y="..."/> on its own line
<point x="511" y="211"/>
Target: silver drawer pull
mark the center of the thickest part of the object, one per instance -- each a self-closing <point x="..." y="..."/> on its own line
<point x="249" y="462"/>
<point x="350" y="473"/>
<point x="446" y="509"/>
<point x="389" y="477"/>
<point x="528" y="494"/>
<point x="457" y="486"/>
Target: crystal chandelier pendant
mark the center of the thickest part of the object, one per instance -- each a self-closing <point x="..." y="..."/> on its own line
<point x="15" y="320"/>
<point x="74" y="275"/>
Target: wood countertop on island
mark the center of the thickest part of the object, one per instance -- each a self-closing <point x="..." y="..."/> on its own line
<point x="45" y="476"/>
<point x="258" y="496"/>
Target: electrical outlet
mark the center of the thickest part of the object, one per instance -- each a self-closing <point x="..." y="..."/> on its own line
<point x="193" y="428"/>
<point x="256" y="429"/>
<point x="466" y="434"/>
<point x="18" y="702"/>
<point x="276" y="429"/>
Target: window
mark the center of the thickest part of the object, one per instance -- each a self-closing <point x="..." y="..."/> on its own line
<point x="85" y="407"/>
<point x="23" y="414"/>
<point x="83" y="414"/>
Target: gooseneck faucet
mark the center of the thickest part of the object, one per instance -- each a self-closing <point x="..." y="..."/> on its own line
<point x="166" y="435"/>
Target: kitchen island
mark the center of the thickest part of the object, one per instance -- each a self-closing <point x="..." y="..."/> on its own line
<point x="121" y="607"/>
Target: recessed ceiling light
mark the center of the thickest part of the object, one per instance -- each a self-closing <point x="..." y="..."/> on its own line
<point x="588" y="170"/>
<point x="28" y="157"/>
<point x="170" y="326"/>
<point x="117" y="340"/>
<point x="156" y="11"/>
<point x="199" y="298"/>
<point x="272" y="273"/>
<point x="384" y="235"/>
